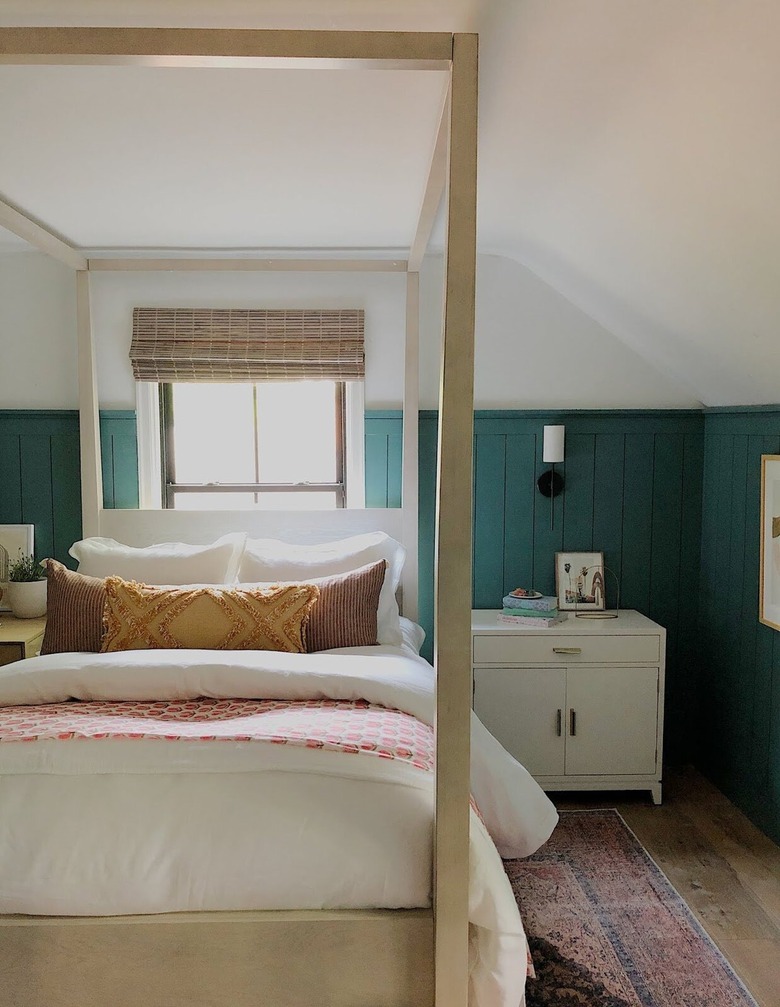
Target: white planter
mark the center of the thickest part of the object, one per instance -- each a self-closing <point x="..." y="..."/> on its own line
<point x="27" y="598"/>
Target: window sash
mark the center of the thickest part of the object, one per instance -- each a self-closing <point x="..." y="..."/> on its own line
<point x="150" y="466"/>
<point x="170" y="487"/>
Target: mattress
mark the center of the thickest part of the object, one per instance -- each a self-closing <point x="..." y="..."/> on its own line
<point x="195" y="780"/>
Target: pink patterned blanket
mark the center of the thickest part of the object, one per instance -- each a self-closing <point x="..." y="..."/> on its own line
<point x="335" y="725"/>
<point x="330" y="724"/>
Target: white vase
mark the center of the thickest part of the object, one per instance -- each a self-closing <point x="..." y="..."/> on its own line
<point x="27" y="598"/>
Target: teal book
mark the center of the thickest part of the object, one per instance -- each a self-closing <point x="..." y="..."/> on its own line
<point x="545" y="603"/>
<point x="527" y="613"/>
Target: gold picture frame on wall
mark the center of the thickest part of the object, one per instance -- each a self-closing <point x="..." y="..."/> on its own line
<point x="769" y="590"/>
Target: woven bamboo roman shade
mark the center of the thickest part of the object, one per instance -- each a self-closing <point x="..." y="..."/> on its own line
<point x="247" y="344"/>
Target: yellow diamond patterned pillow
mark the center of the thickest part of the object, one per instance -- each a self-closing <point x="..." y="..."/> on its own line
<point x="139" y="617"/>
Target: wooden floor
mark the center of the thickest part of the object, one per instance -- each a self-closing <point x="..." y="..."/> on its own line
<point x="723" y="866"/>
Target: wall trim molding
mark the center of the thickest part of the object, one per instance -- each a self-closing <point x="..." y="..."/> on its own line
<point x="714" y="410"/>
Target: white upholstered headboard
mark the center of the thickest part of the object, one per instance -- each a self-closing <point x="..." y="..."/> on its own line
<point x="147" y="527"/>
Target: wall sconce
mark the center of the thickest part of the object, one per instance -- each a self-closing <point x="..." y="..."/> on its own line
<point x="550" y="483"/>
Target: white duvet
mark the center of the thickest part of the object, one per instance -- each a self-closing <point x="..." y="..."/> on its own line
<point x="118" y="826"/>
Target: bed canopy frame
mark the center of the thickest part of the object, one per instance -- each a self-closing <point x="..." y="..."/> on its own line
<point x="381" y="958"/>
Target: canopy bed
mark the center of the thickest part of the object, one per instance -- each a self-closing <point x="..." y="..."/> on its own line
<point x="347" y="957"/>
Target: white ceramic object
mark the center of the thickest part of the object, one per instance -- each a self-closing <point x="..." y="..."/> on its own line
<point x="27" y="598"/>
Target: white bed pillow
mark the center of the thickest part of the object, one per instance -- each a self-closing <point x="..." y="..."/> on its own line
<point x="267" y="559"/>
<point x="169" y="563"/>
<point x="413" y="634"/>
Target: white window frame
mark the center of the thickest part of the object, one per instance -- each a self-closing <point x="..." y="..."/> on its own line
<point x="147" y="412"/>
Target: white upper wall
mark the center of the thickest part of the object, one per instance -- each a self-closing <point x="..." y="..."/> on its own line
<point x="38" y="367"/>
<point x="629" y="156"/>
<point x="534" y="349"/>
<point x="381" y="295"/>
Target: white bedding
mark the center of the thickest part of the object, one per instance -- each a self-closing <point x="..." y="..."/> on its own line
<point x="200" y="825"/>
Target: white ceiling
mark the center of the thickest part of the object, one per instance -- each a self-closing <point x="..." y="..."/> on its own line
<point x="160" y="157"/>
<point x="629" y="154"/>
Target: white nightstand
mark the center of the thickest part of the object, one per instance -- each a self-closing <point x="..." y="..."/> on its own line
<point x="581" y="704"/>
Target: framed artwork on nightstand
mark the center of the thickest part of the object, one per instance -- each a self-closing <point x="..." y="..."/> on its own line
<point x="14" y="539"/>
<point x="579" y="581"/>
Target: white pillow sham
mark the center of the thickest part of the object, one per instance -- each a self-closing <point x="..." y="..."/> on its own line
<point x="169" y="563"/>
<point x="413" y="634"/>
<point x="266" y="559"/>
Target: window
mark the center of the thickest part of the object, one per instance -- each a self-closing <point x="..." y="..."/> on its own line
<point x="275" y="444"/>
<point x="249" y="407"/>
<point x="286" y="445"/>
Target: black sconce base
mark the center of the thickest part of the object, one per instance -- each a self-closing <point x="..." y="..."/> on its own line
<point x="550" y="483"/>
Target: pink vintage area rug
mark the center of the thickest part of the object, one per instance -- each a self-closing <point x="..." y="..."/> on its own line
<point x="607" y="929"/>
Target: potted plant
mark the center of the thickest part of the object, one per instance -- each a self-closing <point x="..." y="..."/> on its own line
<point x="27" y="587"/>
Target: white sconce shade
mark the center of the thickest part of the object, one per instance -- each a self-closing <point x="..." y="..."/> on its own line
<point x="552" y="450"/>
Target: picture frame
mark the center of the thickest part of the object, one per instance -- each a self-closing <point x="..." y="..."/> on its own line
<point x="14" y="538"/>
<point x="769" y="555"/>
<point x="579" y="581"/>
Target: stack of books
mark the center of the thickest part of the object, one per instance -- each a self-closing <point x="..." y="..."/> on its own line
<point x="529" y="609"/>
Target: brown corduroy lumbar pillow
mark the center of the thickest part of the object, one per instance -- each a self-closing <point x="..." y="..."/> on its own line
<point x="74" y="611"/>
<point x="140" y="617"/>
<point x="345" y="615"/>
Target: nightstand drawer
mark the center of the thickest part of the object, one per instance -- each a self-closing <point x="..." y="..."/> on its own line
<point x="524" y="648"/>
<point x="10" y="652"/>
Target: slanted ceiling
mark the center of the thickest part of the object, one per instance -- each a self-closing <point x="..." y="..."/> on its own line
<point x="628" y="156"/>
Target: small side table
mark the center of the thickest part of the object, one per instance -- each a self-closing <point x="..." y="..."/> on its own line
<point x="20" y="638"/>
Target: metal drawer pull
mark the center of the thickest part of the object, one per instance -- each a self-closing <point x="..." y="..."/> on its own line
<point x="559" y="723"/>
<point x="567" y="650"/>
<point x="572" y="722"/>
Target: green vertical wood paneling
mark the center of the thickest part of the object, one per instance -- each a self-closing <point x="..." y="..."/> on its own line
<point x="520" y="502"/>
<point x="66" y="493"/>
<point x="578" y="497"/>
<point x="608" y="480"/>
<point x="37" y="491"/>
<point x="427" y="460"/>
<point x="548" y="528"/>
<point x="758" y="674"/>
<point x="665" y="571"/>
<point x="119" y="459"/>
<point x="489" y="516"/>
<point x="740" y="714"/>
<point x="773" y="788"/>
<point x="637" y="541"/>
<point x="765" y="728"/>
<point x="10" y="479"/>
<point x="107" y="468"/>
<point x="766" y="722"/>
<point x="689" y="639"/>
<point x="383" y="457"/>
<point x="377" y="480"/>
<point x="39" y="476"/>
<point x="739" y="684"/>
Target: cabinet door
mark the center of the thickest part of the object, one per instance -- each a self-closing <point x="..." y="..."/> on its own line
<point x="524" y="708"/>
<point x="616" y="719"/>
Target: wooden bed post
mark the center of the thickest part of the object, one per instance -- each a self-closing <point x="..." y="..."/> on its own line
<point x="89" y="417"/>
<point x="452" y="649"/>
<point x="411" y="427"/>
